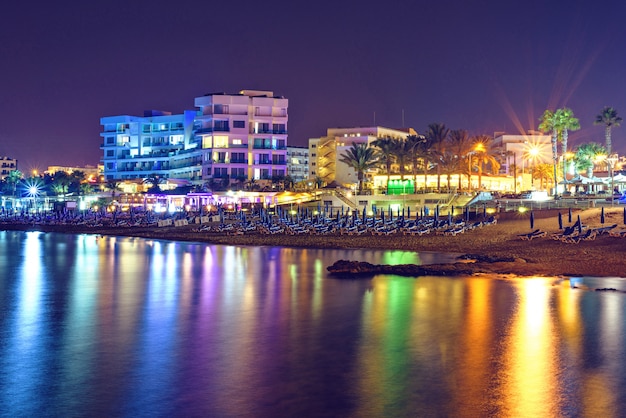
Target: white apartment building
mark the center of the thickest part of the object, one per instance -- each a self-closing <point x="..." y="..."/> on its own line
<point x="243" y="136"/>
<point x="229" y="137"/>
<point x="6" y="166"/>
<point x="298" y="163"/>
<point x="325" y="152"/>
<point x="522" y="151"/>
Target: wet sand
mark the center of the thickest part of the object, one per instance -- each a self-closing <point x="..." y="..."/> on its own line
<point x="603" y="257"/>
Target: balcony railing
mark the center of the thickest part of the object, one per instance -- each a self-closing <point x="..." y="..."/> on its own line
<point x="270" y="131"/>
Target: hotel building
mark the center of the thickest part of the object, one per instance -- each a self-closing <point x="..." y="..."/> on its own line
<point x="325" y="152"/>
<point x="298" y="163"/>
<point x="229" y="137"/>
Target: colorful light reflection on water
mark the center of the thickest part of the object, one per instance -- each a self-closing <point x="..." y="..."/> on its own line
<point x="106" y="326"/>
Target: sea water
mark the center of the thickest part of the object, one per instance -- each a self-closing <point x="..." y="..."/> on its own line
<point x="110" y="326"/>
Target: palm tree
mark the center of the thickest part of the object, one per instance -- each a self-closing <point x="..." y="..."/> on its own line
<point x="437" y="133"/>
<point x="608" y="117"/>
<point x="461" y="146"/>
<point x="361" y="158"/>
<point x="542" y="172"/>
<point x="567" y="122"/>
<point x="60" y="182"/>
<point x="450" y="164"/>
<point x="549" y="124"/>
<point x="424" y="151"/>
<point x="386" y="153"/>
<point x="586" y="155"/>
<point x="112" y="184"/>
<point x="484" y="156"/>
<point x="153" y="180"/>
<point x="413" y="144"/>
<point x="403" y="151"/>
<point x="12" y="180"/>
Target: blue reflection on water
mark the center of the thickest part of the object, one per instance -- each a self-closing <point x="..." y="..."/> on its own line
<point x="107" y="326"/>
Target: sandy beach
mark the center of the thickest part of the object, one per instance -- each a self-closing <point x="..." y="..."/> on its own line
<point x="604" y="256"/>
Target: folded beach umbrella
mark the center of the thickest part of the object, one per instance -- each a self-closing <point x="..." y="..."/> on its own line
<point x="437" y="213"/>
<point x="408" y="213"/>
<point x="560" y="221"/>
<point x="364" y="212"/>
<point x="569" y="215"/>
<point x="532" y="219"/>
<point x="602" y="215"/>
<point x="580" y="225"/>
<point x="624" y="216"/>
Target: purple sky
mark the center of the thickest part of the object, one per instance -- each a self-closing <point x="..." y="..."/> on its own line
<point x="484" y="65"/>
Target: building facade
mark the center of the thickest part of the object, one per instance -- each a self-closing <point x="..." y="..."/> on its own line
<point x="522" y="151"/>
<point x="298" y="163"/>
<point x="325" y="152"/>
<point x="229" y="137"/>
<point x="6" y="166"/>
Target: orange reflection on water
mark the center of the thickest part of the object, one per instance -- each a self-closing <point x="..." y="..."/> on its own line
<point x="476" y="343"/>
<point x="529" y="382"/>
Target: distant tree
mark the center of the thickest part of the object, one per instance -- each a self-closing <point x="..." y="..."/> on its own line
<point x="609" y="118"/>
<point x="549" y="124"/>
<point x="542" y="172"/>
<point x="154" y="182"/>
<point x="461" y="146"/>
<point x="484" y="155"/>
<point x="566" y="122"/>
<point x="361" y="158"/>
<point x="61" y="182"/>
<point x="386" y="150"/>
<point x="450" y="164"/>
<point x="112" y="185"/>
<point x="413" y="145"/>
<point x="289" y="182"/>
<point x="587" y="155"/>
<point x="12" y="180"/>
<point x="437" y="133"/>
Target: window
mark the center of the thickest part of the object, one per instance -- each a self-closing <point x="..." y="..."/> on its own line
<point x="239" y="124"/>
<point x="237" y="142"/>
<point x="110" y="140"/>
<point x="220" y="125"/>
<point x="314" y="155"/>
<point x="110" y="153"/>
<point x="207" y="142"/>
<point x="146" y="128"/>
<point x="220" y="141"/>
<point x="237" y="172"/>
<point x="313" y="146"/>
<point x="220" y="109"/>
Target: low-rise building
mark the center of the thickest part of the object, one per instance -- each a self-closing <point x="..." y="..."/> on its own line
<point x="325" y="152"/>
<point x="6" y="166"/>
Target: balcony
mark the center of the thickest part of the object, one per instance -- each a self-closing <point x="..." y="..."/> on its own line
<point x="270" y="131"/>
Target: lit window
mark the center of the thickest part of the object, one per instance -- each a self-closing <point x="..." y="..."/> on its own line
<point x="237" y="141"/>
<point x="220" y="141"/>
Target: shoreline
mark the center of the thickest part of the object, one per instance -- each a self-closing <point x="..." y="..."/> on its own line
<point x="604" y="256"/>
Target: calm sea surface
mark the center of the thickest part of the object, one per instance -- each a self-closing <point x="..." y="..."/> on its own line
<point x="106" y="327"/>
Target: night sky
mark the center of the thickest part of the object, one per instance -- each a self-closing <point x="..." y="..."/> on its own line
<point x="484" y="66"/>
